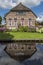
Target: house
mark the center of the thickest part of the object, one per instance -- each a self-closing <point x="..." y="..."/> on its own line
<point x="20" y="15"/>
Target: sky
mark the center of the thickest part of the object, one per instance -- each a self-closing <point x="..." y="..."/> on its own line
<point x="35" y="5"/>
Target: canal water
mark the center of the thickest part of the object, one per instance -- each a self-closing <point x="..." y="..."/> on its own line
<point x="36" y="58"/>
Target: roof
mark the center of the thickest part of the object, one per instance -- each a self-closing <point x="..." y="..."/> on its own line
<point x="20" y="7"/>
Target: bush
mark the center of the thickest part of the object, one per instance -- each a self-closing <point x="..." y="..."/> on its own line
<point x="26" y="28"/>
<point x="14" y="30"/>
<point x="23" y="29"/>
<point x="2" y="29"/>
<point x="11" y="30"/>
<point x="39" y="30"/>
<point x="32" y="29"/>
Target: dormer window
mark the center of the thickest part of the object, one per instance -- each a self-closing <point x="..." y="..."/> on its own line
<point x="20" y="13"/>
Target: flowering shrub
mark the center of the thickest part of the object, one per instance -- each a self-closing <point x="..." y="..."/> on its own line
<point x="2" y="29"/>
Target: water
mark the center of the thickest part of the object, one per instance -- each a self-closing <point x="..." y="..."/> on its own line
<point x="36" y="59"/>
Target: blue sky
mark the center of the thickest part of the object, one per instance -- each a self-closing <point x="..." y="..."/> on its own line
<point x="35" y="5"/>
<point x="38" y="9"/>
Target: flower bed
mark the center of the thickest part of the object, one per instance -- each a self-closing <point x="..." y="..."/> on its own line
<point x="2" y="29"/>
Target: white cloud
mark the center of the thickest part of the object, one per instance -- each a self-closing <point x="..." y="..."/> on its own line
<point x="12" y="3"/>
<point x="7" y="3"/>
<point x="40" y="18"/>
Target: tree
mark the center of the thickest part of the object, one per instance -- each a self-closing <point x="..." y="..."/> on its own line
<point x="36" y="23"/>
<point x="42" y="23"/>
<point x="0" y="20"/>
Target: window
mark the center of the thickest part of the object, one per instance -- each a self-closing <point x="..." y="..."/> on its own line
<point x="10" y="21"/>
<point x="22" y="21"/>
<point x="30" y="20"/>
<point x="20" y="13"/>
<point x="15" y="18"/>
<point x="15" y="21"/>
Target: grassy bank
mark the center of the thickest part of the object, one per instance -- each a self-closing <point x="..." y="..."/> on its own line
<point x="20" y="35"/>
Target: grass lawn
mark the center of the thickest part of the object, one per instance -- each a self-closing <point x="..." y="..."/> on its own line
<point x="20" y="35"/>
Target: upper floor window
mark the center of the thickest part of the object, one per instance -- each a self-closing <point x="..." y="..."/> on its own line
<point x="20" y="13"/>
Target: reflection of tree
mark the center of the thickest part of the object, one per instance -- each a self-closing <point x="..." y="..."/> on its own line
<point x="5" y="36"/>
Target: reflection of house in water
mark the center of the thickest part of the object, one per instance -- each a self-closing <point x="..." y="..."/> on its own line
<point x="17" y="50"/>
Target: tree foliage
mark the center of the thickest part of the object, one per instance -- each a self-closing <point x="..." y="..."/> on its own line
<point x="0" y="19"/>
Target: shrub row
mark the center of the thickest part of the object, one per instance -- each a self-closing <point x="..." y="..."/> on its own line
<point x="23" y="29"/>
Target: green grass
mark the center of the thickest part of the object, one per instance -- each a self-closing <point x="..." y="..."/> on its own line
<point x="21" y="35"/>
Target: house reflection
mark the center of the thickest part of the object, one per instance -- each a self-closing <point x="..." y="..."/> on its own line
<point x="21" y="49"/>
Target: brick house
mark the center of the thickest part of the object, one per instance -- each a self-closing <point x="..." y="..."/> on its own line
<point x="20" y="15"/>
